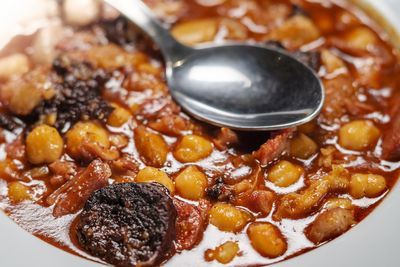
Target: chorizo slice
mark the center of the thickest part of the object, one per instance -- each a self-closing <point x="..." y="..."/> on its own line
<point x="71" y="196"/>
<point x="188" y="225"/>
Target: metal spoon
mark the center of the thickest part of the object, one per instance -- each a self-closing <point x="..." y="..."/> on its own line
<point x="240" y="86"/>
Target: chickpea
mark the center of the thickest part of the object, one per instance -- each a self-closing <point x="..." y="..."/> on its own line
<point x="81" y="12"/>
<point x="18" y="192"/>
<point x="43" y="47"/>
<point x="148" y="68"/>
<point x="295" y="32"/>
<point x="303" y="146"/>
<point x="44" y="145"/>
<point x="13" y="64"/>
<point x="358" y="135"/>
<point x="332" y="63"/>
<point x="113" y="56"/>
<point x="134" y="107"/>
<point x="119" y="116"/>
<point x="150" y="174"/>
<point x="195" y="31"/>
<point x="8" y="169"/>
<point x="361" y="38"/>
<point x="86" y="131"/>
<point x="227" y="217"/>
<point x="266" y="239"/>
<point x="236" y="30"/>
<point x="193" y="148"/>
<point x="226" y="252"/>
<point x="191" y="183"/>
<point x="242" y="186"/>
<point x="119" y="140"/>
<point x="167" y="8"/>
<point x="25" y="97"/>
<point x="223" y="253"/>
<point x="151" y="147"/>
<point x="285" y="173"/>
<point x="367" y="185"/>
<point x="347" y="19"/>
<point x="368" y="73"/>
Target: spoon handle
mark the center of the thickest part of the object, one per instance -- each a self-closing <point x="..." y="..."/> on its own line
<point x="138" y="13"/>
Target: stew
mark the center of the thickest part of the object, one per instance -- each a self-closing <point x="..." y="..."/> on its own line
<point x="97" y="159"/>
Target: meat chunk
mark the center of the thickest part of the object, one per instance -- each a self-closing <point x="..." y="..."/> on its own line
<point x="16" y="149"/>
<point x="62" y="172"/>
<point x="125" y="164"/>
<point x="295" y="205"/>
<point x="128" y="224"/>
<point x="24" y="92"/>
<point x="274" y="146"/>
<point x="330" y="224"/>
<point x="260" y="201"/>
<point x="157" y="108"/>
<point x="188" y="225"/>
<point x="337" y="92"/>
<point x="90" y="150"/>
<point x="120" y="31"/>
<point x="63" y="168"/>
<point x="391" y="138"/>
<point x="71" y="196"/>
<point x="172" y="124"/>
<point x="226" y="138"/>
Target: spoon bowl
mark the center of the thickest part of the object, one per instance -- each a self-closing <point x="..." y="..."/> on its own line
<point x="245" y="87"/>
<point x="240" y="86"/>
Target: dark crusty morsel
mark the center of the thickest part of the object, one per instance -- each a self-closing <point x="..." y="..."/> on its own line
<point x="120" y="31"/>
<point x="8" y="123"/>
<point x="78" y="94"/>
<point x="220" y="191"/>
<point x="297" y="10"/>
<point x="126" y="34"/>
<point x="128" y="224"/>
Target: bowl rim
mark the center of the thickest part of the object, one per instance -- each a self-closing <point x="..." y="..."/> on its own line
<point x="372" y="242"/>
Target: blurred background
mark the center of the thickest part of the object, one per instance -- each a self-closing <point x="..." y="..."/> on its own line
<point x="26" y="16"/>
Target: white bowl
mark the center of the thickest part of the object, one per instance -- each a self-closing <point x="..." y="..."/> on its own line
<point x="371" y="243"/>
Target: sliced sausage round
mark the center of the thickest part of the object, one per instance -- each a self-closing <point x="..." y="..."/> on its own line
<point x="128" y="224"/>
